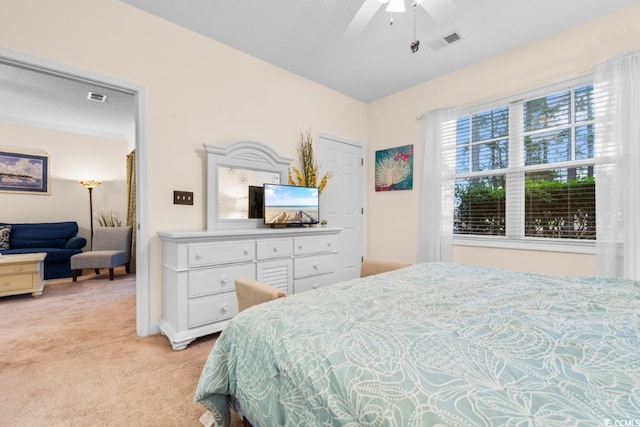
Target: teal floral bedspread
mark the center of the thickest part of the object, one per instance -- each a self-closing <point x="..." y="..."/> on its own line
<point x="434" y="344"/>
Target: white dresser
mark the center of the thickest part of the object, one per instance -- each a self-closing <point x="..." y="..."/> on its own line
<point x="199" y="269"/>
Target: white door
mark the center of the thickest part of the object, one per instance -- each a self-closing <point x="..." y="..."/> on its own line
<point x="342" y="201"/>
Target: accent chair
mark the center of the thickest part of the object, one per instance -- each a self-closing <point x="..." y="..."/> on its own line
<point x="111" y="247"/>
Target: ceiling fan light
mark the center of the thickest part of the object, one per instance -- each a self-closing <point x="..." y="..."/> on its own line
<point x="395" y="6"/>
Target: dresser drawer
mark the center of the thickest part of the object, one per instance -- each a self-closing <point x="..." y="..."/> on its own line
<point x="315" y="244"/>
<point x="221" y="253"/>
<point x="31" y="267"/>
<point x="218" y="280"/>
<point x="212" y="309"/>
<point x="314" y="282"/>
<point x="275" y="248"/>
<point x="16" y="282"/>
<point x="314" y="265"/>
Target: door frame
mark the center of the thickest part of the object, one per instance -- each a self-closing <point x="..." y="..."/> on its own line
<point x="19" y="59"/>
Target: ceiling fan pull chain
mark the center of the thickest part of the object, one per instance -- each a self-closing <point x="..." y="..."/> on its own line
<point x="414" y="19"/>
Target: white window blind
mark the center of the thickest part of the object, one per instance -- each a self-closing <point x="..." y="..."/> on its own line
<point x="525" y="166"/>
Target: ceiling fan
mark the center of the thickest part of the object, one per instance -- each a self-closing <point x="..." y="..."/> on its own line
<point x="440" y="10"/>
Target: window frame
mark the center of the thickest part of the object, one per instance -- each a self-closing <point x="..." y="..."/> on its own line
<point x="515" y="237"/>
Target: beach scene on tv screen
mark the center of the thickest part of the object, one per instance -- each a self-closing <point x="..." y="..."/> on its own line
<point x="290" y="205"/>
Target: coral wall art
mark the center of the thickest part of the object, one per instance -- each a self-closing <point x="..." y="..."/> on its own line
<point x="394" y="168"/>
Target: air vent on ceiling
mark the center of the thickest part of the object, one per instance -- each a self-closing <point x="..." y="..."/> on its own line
<point x="97" y="97"/>
<point x="441" y="42"/>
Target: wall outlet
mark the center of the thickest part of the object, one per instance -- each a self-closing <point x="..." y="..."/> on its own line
<point x="183" y="197"/>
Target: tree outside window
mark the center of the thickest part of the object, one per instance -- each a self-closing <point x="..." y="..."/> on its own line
<point x="554" y="142"/>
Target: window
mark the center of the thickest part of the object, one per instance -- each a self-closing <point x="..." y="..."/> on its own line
<point x="525" y="169"/>
<point x="482" y="145"/>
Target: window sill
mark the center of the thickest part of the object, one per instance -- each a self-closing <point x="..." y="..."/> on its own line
<point x="528" y="244"/>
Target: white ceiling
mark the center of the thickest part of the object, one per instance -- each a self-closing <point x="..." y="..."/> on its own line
<point x="35" y="98"/>
<point x="307" y="36"/>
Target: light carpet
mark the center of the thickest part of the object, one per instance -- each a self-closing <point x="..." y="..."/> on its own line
<point x="72" y="358"/>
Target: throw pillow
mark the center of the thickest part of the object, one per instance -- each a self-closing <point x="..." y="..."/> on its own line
<point x="5" y="234"/>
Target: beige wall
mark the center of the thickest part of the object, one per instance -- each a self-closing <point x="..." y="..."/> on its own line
<point x="198" y="91"/>
<point x="548" y="262"/>
<point x="72" y="157"/>
<point x="392" y="216"/>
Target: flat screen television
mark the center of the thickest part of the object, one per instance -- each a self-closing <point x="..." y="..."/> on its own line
<point x="288" y="205"/>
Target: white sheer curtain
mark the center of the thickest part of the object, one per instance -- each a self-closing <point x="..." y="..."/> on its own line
<point x="435" y="215"/>
<point x="617" y="152"/>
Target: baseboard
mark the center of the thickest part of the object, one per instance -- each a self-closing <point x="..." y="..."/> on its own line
<point x="154" y="328"/>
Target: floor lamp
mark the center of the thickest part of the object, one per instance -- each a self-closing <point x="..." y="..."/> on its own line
<point x="90" y="185"/>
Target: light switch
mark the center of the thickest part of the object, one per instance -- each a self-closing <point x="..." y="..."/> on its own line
<point x="183" y="197"/>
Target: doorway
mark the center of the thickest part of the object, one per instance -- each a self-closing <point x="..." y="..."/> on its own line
<point x="342" y="202"/>
<point x="16" y="59"/>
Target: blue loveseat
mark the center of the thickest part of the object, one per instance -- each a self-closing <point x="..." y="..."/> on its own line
<point x="58" y="239"/>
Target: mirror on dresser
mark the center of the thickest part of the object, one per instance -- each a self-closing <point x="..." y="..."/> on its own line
<point x="233" y="173"/>
<point x="237" y="194"/>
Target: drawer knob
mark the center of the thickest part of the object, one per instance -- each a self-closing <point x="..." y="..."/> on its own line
<point x="5" y="284"/>
<point x="199" y="256"/>
<point x="19" y="268"/>
<point x="225" y="279"/>
<point x="315" y="286"/>
<point x="225" y="307"/>
<point x="299" y="246"/>
<point x="275" y="249"/>
<point x="246" y="252"/>
<point x="316" y="266"/>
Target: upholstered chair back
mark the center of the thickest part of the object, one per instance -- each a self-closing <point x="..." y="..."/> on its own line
<point x="112" y="239"/>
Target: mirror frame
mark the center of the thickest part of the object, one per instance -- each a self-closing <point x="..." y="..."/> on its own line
<point x="243" y="155"/>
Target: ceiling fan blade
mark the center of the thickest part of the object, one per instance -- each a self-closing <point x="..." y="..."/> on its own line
<point x="396" y="6"/>
<point x="363" y="16"/>
<point x="441" y="10"/>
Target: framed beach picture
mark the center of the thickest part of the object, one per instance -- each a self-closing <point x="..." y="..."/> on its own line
<point x="394" y="169"/>
<point x="24" y="172"/>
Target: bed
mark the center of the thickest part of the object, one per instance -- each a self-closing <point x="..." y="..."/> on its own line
<point x="433" y="344"/>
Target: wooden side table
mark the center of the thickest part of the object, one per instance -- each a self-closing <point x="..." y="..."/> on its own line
<point x="22" y="274"/>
